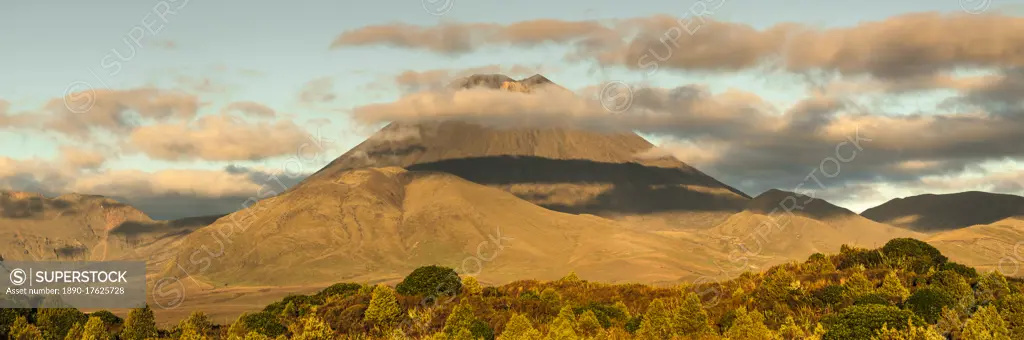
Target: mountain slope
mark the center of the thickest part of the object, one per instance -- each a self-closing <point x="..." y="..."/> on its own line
<point x="994" y="246"/>
<point x="815" y="225"/>
<point x="930" y="213"/>
<point x="375" y="224"/>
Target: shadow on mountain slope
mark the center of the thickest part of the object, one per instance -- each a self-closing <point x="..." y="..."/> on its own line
<point x="634" y="188"/>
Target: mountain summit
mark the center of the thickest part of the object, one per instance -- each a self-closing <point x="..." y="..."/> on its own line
<point x="564" y="169"/>
<point x="501" y="81"/>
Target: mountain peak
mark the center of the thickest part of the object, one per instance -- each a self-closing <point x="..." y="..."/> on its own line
<point x="501" y="81"/>
<point x="800" y="204"/>
<point x="937" y="212"/>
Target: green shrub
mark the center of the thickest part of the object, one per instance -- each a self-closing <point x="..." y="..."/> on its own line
<point x="816" y="257"/>
<point x="481" y="330"/>
<point x="140" y="324"/>
<point x="831" y="295"/>
<point x="604" y="313"/>
<point x="298" y="300"/>
<point x="519" y="327"/>
<point x="633" y="324"/>
<point x="968" y="273"/>
<point x="383" y="309"/>
<point x="55" y="323"/>
<point x="928" y="302"/>
<point x="340" y="289"/>
<point x="528" y="295"/>
<point x="9" y="315"/>
<point x="861" y="322"/>
<point x="850" y="257"/>
<point x="872" y="299"/>
<point x="431" y="281"/>
<point x="913" y="255"/>
<point x="263" y="323"/>
<point x="109" y="319"/>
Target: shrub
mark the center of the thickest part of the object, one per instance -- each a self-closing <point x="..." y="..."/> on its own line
<point x="7" y="318"/>
<point x="300" y="301"/>
<point x="777" y="286"/>
<point x="956" y="286"/>
<point x="690" y="317"/>
<point x="519" y="328"/>
<point x="314" y="328"/>
<point x="872" y="299"/>
<point x="563" y="327"/>
<point x="928" y="302"/>
<point x="196" y="322"/>
<point x="1012" y="310"/>
<point x="749" y="325"/>
<point x="633" y="324"/>
<point x="431" y="281"/>
<point x="816" y="257"/>
<point x="76" y="332"/>
<point x="991" y="286"/>
<point x="263" y="323"/>
<point x="968" y="273"/>
<point x="604" y="313"/>
<point x="461" y="318"/>
<point x="913" y="255"/>
<point x="472" y="286"/>
<point x="588" y="324"/>
<point x="850" y="257"/>
<point x="140" y="324"/>
<point x="861" y="322"/>
<point x="892" y="288"/>
<point x="108" y="318"/>
<point x="985" y="324"/>
<point x="790" y="330"/>
<point x="910" y="332"/>
<point x="20" y="329"/>
<point x="383" y="309"/>
<point x="55" y="323"/>
<point x="481" y="330"/>
<point x="657" y="322"/>
<point x="858" y="285"/>
<point x="831" y="295"/>
<point x="340" y="289"/>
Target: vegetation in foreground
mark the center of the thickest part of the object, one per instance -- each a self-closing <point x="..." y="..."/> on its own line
<point x="906" y="290"/>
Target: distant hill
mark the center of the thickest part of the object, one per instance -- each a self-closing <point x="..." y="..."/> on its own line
<point x="765" y="228"/>
<point x="76" y="227"/>
<point x="931" y="213"/>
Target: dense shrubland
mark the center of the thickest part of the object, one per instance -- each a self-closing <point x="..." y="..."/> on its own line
<point x="905" y="290"/>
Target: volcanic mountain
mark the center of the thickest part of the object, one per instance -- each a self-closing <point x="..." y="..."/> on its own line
<point x="563" y="169"/>
<point x="929" y="213"/>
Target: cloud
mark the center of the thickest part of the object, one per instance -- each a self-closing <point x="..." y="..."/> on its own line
<point x="219" y="138"/>
<point x="907" y="46"/>
<point x="165" y="194"/>
<point x="78" y="158"/>
<point x="320" y="90"/>
<point x="79" y="114"/>
<point x="457" y="38"/>
<point x="9" y="119"/>
<point x="250" y="108"/>
<point x="436" y="79"/>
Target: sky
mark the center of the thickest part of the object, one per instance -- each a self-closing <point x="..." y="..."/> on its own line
<point x="187" y="107"/>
